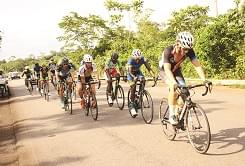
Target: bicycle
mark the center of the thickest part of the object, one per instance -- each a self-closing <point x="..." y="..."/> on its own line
<point x="117" y="93"/>
<point x="29" y="85"/>
<point x="143" y="100"/>
<point x="90" y="100"/>
<point x="67" y="92"/>
<point x="190" y="116"/>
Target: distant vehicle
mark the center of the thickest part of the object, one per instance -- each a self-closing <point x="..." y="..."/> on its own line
<point x="14" y="75"/>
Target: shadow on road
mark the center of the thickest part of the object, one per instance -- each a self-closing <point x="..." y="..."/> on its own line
<point x="229" y="140"/>
<point x="62" y="161"/>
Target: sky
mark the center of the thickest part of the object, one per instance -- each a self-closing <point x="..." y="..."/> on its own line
<point x="31" y="26"/>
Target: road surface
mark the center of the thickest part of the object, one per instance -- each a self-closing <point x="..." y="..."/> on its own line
<point x="44" y="134"/>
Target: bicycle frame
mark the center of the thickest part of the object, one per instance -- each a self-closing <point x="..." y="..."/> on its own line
<point x="191" y="117"/>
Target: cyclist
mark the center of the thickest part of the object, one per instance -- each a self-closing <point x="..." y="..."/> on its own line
<point x="87" y="68"/>
<point x="44" y="77"/>
<point x="170" y="68"/>
<point x="63" y="74"/>
<point x="52" y="68"/>
<point x="3" y="81"/>
<point x="28" y="75"/>
<point x="112" y="68"/>
<point x="134" y="63"/>
<point x="37" y="69"/>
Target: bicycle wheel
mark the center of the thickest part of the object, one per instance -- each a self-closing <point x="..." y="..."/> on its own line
<point x="93" y="107"/>
<point x="120" y="97"/>
<point x="69" y="100"/>
<point x="74" y="92"/>
<point x="146" y="106"/>
<point x="198" y="129"/>
<point x="168" y="129"/>
<point x="86" y="110"/>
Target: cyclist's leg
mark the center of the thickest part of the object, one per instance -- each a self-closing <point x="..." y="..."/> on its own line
<point x="61" y="89"/>
<point x="172" y="95"/>
<point x="81" y="89"/>
<point x="181" y="81"/>
<point x="47" y="80"/>
<point x="109" y="87"/>
<point x="26" y="83"/>
<point x="132" y="87"/>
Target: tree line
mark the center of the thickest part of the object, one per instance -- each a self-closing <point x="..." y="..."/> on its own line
<point x="219" y="41"/>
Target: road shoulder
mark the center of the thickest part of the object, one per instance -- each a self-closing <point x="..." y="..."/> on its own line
<point x="8" y="154"/>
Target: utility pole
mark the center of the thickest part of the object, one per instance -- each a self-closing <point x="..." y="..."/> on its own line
<point x="216" y="7"/>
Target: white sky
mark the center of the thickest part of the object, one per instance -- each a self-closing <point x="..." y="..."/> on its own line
<point x="31" y="26"/>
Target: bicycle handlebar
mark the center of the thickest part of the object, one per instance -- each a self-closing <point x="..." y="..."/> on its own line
<point x="208" y="87"/>
<point x="93" y="82"/>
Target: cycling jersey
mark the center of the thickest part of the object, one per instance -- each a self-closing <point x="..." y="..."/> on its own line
<point x="136" y="66"/>
<point x="112" y="68"/>
<point x="27" y="73"/>
<point x="52" y="66"/>
<point x="110" y="65"/>
<point x="170" y="56"/>
<point x="64" y="71"/>
<point x="44" y="72"/>
<point x="86" y="72"/>
<point x="37" y="69"/>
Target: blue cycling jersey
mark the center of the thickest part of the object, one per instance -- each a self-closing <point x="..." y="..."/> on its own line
<point x="136" y="66"/>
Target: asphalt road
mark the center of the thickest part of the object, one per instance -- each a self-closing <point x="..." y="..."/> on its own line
<point x="46" y="135"/>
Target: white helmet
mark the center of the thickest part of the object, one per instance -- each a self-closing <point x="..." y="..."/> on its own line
<point x="136" y="53"/>
<point x="186" y="39"/>
<point x="26" y="67"/>
<point x="82" y="62"/>
<point x="87" y="58"/>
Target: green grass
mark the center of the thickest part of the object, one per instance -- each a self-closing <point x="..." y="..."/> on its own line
<point x="237" y="86"/>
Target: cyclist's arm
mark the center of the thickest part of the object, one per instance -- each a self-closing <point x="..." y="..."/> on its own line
<point x="169" y="73"/>
<point x="130" y="70"/>
<point x="148" y="67"/>
<point x="199" y="69"/>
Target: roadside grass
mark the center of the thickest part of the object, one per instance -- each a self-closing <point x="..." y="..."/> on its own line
<point x="237" y="86"/>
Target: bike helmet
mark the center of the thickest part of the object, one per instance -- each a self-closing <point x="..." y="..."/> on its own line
<point x="51" y="61"/>
<point x="186" y="39"/>
<point x="136" y="54"/>
<point x="65" y="61"/>
<point x="36" y="64"/>
<point x="26" y="67"/>
<point x="82" y="62"/>
<point x="114" y="56"/>
<point x="87" y="58"/>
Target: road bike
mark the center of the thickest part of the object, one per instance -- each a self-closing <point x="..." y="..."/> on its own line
<point x="191" y="116"/>
<point x="143" y="100"/>
<point x="90" y="100"/>
<point x="67" y="92"/>
<point x="117" y="93"/>
<point x="29" y="85"/>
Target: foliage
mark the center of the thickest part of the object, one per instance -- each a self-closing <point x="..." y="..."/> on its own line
<point x="219" y="42"/>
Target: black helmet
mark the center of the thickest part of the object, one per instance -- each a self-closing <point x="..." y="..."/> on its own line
<point x="65" y="60"/>
<point x="36" y="64"/>
<point x="114" y="56"/>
